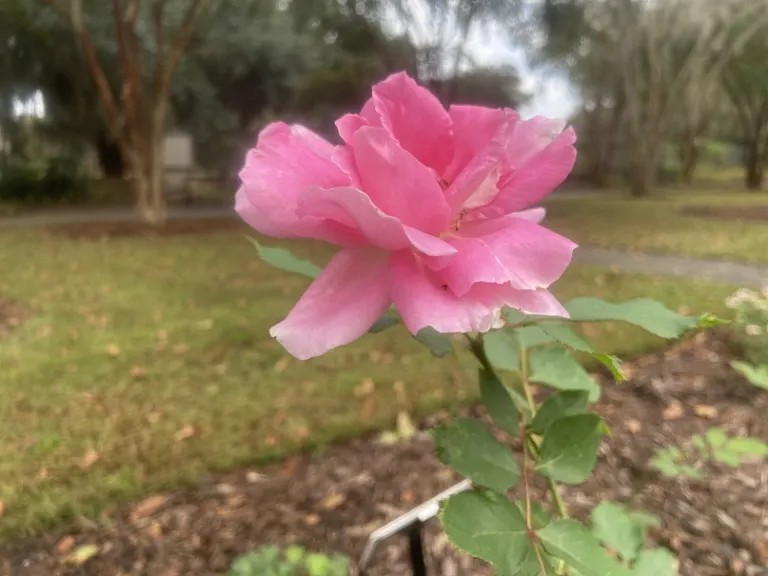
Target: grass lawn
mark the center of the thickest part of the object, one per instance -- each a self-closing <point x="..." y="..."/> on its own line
<point x="142" y="364"/>
<point x="655" y="224"/>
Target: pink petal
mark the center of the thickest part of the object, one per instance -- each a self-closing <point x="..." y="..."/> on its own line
<point x="422" y="300"/>
<point x="506" y="250"/>
<point x="415" y="117"/>
<point x="348" y="124"/>
<point x="285" y="161"/>
<point x="339" y="306"/>
<point x="539" y="302"/>
<point x="344" y="158"/>
<point x="398" y="183"/>
<point x="355" y="210"/>
<point x="535" y="215"/>
<point x="538" y="176"/>
<point x="473" y="129"/>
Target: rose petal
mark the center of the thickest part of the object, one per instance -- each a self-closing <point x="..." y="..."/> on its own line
<point x="528" y="184"/>
<point x="539" y="302"/>
<point x="535" y="215"/>
<point x="348" y="296"/>
<point x="354" y="209"/>
<point x="423" y="301"/>
<point x="506" y="250"/>
<point x="398" y="183"/>
<point x="285" y="161"/>
<point x="473" y="129"/>
<point x="415" y="117"/>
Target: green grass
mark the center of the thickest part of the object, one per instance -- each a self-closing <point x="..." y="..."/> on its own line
<point x="656" y="225"/>
<point x="129" y="344"/>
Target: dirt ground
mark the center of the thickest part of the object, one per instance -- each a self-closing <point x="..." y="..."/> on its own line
<point x="330" y="501"/>
<point x="752" y="213"/>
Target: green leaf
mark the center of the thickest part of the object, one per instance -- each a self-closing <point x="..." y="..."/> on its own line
<point x="566" y="336"/>
<point x="747" y="447"/>
<point x="539" y="516"/>
<point x="284" y="260"/>
<point x="656" y="562"/>
<point x="648" y="314"/>
<point x="569" y="450"/>
<point x="612" y="363"/>
<point x="757" y="375"/>
<point x="501" y="348"/>
<point x="561" y="404"/>
<point x="532" y="336"/>
<point x="617" y="530"/>
<point x="572" y="542"/>
<point x="317" y="564"/>
<point x="294" y="554"/>
<point x="716" y="437"/>
<point x="498" y="402"/>
<point x="439" y="344"/>
<point x="490" y="527"/>
<point x="468" y="447"/>
<point x="727" y="458"/>
<point x="664" y="463"/>
<point x="645" y="519"/>
<point x="388" y="320"/>
<point x="557" y="368"/>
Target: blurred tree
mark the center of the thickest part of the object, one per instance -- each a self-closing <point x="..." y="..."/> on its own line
<point x="150" y="39"/>
<point x="649" y="64"/>
<point x="745" y="81"/>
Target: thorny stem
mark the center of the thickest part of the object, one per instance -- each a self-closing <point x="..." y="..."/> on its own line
<point x="529" y="444"/>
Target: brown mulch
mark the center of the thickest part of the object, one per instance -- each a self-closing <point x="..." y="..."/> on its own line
<point x="99" y="230"/>
<point x="330" y="501"/>
<point x="752" y="213"/>
<point x="11" y="316"/>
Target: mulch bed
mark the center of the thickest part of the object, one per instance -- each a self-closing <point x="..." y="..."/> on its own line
<point x="100" y="230"/>
<point x="332" y="500"/>
<point x="751" y="213"/>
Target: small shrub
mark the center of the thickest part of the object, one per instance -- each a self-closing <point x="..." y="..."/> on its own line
<point x="58" y="180"/>
<point x="751" y="322"/>
<point x="291" y="561"/>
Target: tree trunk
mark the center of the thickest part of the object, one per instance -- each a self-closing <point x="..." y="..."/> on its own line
<point x="147" y="178"/>
<point x="688" y="154"/>
<point x="753" y="164"/>
<point x="642" y="175"/>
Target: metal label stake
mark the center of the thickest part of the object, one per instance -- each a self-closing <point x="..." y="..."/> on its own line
<point x="411" y="524"/>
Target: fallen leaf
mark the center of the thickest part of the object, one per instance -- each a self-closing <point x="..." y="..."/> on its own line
<point x="113" y="350"/>
<point x="365" y="388"/>
<point x="375" y="357"/>
<point x="684" y="310"/>
<point x="148" y="506"/>
<point x="2" y="508"/>
<point x="162" y="335"/>
<point x="154" y="530"/>
<point x="405" y="426"/>
<point x="673" y="411"/>
<point x="181" y="349"/>
<point x="206" y="324"/>
<point x="333" y="501"/>
<point x="271" y="441"/>
<point x="281" y="364"/>
<point x="253" y="477"/>
<point x="407" y="496"/>
<point x="388" y="438"/>
<point x="138" y="371"/>
<point x="312" y="520"/>
<point x="65" y="544"/>
<point x="82" y="554"/>
<point x="89" y="459"/>
<point x="705" y="411"/>
<point x="369" y="408"/>
<point x="387" y="358"/>
<point x="154" y="417"/>
<point x="187" y="432"/>
<point x="302" y="433"/>
<point x="634" y="426"/>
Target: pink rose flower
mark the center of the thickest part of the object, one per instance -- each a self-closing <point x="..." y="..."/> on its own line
<point x="429" y="207"/>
